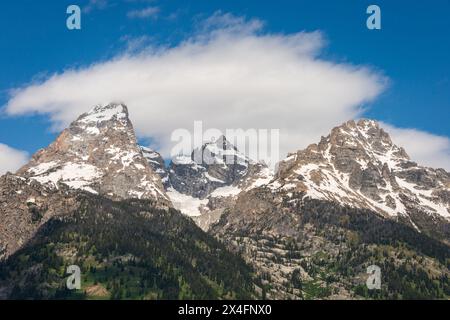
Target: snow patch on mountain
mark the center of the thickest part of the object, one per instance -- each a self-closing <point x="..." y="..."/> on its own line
<point x="188" y="205"/>
<point x="75" y="175"/>
<point x="226" y="191"/>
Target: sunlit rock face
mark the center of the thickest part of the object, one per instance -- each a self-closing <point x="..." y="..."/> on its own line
<point x="358" y="165"/>
<point x="98" y="153"/>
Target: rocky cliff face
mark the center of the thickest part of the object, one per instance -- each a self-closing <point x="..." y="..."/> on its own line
<point x="98" y="153"/>
<point x="25" y="206"/>
<point x="156" y="162"/>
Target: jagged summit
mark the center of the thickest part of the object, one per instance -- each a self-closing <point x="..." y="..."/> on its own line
<point x="102" y="118"/>
<point x="365" y="134"/>
<point x="104" y="112"/>
<point x="358" y="165"/>
<point x="220" y="152"/>
<point x="215" y="164"/>
<point x="208" y="181"/>
<point x="156" y="161"/>
<point x="98" y="153"/>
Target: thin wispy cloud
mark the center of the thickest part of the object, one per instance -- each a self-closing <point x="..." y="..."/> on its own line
<point x="95" y="5"/>
<point x="230" y="74"/>
<point x="149" y="12"/>
<point x="135" y="44"/>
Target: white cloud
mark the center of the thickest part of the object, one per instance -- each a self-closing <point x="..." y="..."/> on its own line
<point x="230" y="74"/>
<point x="149" y="12"/>
<point x="424" y="148"/>
<point x="11" y="159"/>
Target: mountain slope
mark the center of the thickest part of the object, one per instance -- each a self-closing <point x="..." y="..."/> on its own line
<point x="125" y="249"/>
<point x="317" y="249"/>
<point x="25" y="205"/>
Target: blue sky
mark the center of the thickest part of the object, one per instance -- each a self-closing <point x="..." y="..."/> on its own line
<point x="412" y="50"/>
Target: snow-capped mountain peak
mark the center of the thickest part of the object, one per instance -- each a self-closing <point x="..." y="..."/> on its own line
<point x="105" y="112"/>
<point x="204" y="184"/>
<point x="98" y="153"/>
<point x="216" y="164"/>
<point x="358" y="165"/>
<point x="368" y="141"/>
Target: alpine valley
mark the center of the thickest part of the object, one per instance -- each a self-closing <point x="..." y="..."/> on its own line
<point x="143" y="228"/>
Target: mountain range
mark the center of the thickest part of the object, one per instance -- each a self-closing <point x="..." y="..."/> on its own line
<point x="141" y="229"/>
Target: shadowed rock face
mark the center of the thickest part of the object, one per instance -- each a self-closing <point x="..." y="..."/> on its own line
<point x="98" y="153"/>
<point x="208" y="181"/>
<point x="26" y="205"/>
<point x="156" y="162"/>
<point x="215" y="164"/>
